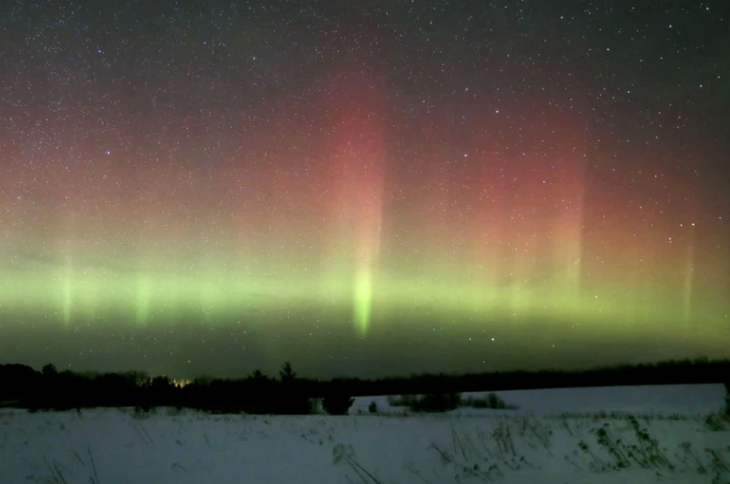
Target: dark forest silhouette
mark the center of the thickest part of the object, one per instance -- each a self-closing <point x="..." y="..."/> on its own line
<point x="22" y="386"/>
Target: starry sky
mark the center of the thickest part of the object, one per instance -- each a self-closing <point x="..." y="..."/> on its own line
<point x="363" y="188"/>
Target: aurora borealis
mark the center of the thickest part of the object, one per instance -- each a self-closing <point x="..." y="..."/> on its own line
<point x="363" y="188"/>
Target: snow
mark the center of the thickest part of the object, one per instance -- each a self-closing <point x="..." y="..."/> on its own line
<point x="662" y="399"/>
<point x="553" y="439"/>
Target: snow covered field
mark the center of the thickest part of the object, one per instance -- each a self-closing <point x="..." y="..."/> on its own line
<point x="557" y="436"/>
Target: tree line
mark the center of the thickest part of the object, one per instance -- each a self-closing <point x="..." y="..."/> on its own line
<point x="289" y="393"/>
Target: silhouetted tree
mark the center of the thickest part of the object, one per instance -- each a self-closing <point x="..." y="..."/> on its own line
<point x="291" y="399"/>
<point x="161" y="384"/>
<point x="49" y="371"/>
<point x="287" y="374"/>
<point x="160" y="391"/>
<point x="337" y="403"/>
<point x="137" y="378"/>
<point x="18" y="382"/>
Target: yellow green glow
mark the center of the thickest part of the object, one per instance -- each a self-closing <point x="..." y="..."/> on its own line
<point x="688" y="283"/>
<point x="143" y="299"/>
<point x="66" y="299"/>
<point x="363" y="298"/>
<point x="158" y="296"/>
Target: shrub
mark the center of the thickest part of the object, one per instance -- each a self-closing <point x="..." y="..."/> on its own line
<point x="436" y="402"/>
<point x="491" y="400"/>
<point x="402" y="400"/>
<point x="175" y="411"/>
<point x="715" y="422"/>
<point x="143" y="412"/>
<point x="337" y="403"/>
<point x="727" y="399"/>
<point x="494" y="401"/>
<point x="373" y="407"/>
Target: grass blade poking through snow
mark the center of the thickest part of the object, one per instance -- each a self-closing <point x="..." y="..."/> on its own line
<point x="57" y="476"/>
<point x="343" y="452"/>
<point x="95" y="478"/>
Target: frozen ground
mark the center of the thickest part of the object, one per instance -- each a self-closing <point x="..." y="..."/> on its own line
<point x="663" y="399"/>
<point x="668" y="439"/>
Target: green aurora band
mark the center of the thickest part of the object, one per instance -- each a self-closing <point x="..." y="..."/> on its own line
<point x="146" y="298"/>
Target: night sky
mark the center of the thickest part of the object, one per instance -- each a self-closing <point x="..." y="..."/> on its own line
<point x="363" y="188"/>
